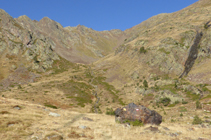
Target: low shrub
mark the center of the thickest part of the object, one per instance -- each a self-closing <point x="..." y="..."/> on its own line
<point x="184" y="102"/>
<point x="198" y="105"/>
<point x="110" y="111"/>
<point x="165" y="101"/>
<point x="134" y="123"/>
<point x="51" y="106"/>
<point x="145" y="83"/>
<point x="142" y="50"/>
<point x="197" y="120"/>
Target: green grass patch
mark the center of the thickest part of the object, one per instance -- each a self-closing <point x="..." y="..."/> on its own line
<point x="83" y="91"/>
<point x="171" y="105"/>
<point x="164" y="51"/>
<point x="208" y="96"/>
<point x="197" y="120"/>
<point x="175" y="103"/>
<point x="51" y="106"/>
<point x="110" y="88"/>
<point x="182" y="109"/>
<point x="170" y="87"/>
<point x="62" y="65"/>
<point x="134" y="123"/>
<point x="192" y="96"/>
<point x="150" y="94"/>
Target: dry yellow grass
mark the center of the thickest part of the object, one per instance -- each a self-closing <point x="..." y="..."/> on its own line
<point x="33" y="121"/>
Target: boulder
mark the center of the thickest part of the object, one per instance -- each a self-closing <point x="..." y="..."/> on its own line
<point x="133" y="112"/>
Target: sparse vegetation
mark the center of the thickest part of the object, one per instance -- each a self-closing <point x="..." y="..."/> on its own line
<point x="51" y="106"/>
<point x="164" y="51"/>
<point x="192" y="96"/>
<point x="182" y="109"/>
<point x="110" y="111"/>
<point x="197" y="120"/>
<point x="134" y="123"/>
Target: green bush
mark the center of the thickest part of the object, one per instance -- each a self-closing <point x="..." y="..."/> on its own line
<point x="198" y="105"/>
<point x="142" y="50"/>
<point x="172" y="120"/>
<point x="184" y="102"/>
<point x="165" y="101"/>
<point x="197" y="120"/>
<point x="145" y="83"/>
<point x="176" y="102"/>
<point x="110" y="111"/>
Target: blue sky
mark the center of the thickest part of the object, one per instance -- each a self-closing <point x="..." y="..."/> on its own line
<point x="96" y="14"/>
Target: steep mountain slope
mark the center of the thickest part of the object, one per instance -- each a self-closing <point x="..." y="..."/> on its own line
<point x="161" y="45"/>
<point x="36" y="45"/>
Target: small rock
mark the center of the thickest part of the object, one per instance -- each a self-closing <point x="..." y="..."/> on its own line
<point x="191" y="129"/>
<point x="173" y="134"/>
<point x="46" y="109"/>
<point x="17" y="107"/>
<point x="153" y="129"/>
<point x="203" y="139"/>
<point x="127" y="125"/>
<point x="207" y="121"/>
<point x="10" y="125"/>
<point x="82" y="127"/>
<point x="87" y="119"/>
<point x="54" y="114"/>
<point x="203" y="126"/>
<point x="55" y="137"/>
<point x="166" y="128"/>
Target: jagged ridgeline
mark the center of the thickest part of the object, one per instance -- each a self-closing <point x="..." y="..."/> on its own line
<point x="38" y="45"/>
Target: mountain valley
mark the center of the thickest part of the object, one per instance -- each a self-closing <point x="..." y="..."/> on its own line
<point x="81" y="76"/>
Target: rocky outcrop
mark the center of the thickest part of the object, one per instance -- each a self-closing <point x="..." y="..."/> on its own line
<point x="133" y="112"/>
<point x="193" y="54"/>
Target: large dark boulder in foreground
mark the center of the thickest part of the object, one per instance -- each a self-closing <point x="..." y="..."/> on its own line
<point x="133" y="112"/>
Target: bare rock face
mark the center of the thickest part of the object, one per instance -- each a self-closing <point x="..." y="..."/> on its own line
<point x="133" y="112"/>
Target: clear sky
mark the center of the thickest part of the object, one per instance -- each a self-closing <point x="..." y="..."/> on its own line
<point x="96" y="14"/>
